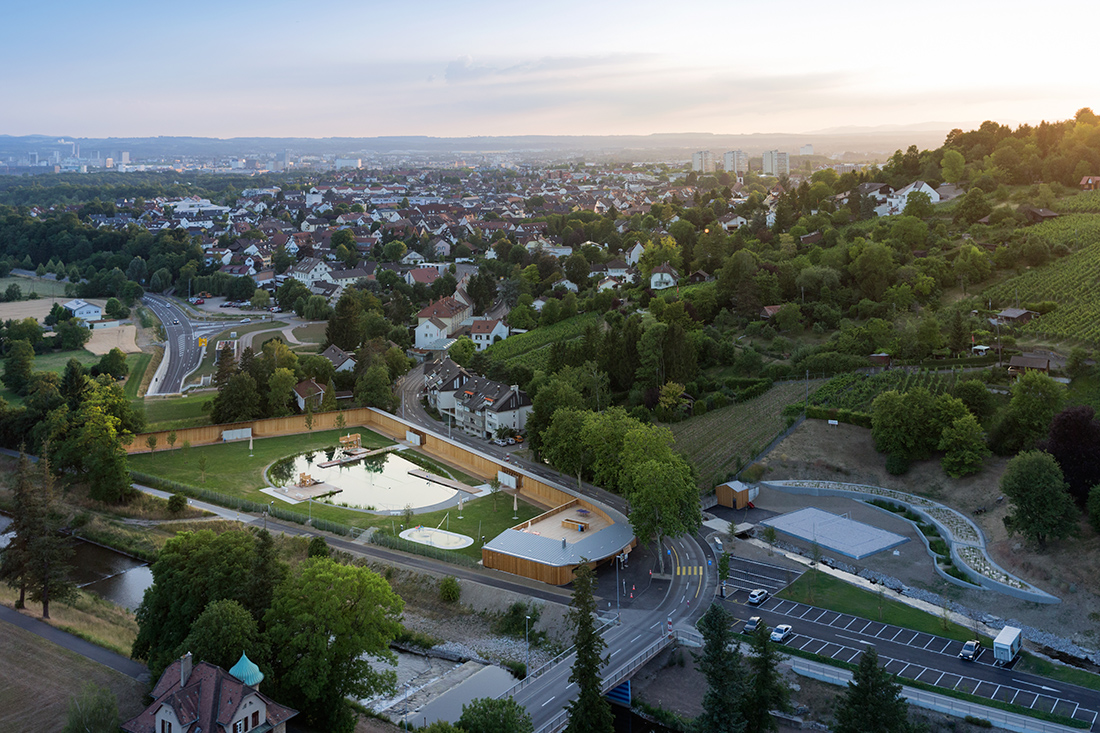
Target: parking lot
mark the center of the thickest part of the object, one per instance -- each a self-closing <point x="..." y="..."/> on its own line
<point x="851" y="634"/>
<point x="746" y="575"/>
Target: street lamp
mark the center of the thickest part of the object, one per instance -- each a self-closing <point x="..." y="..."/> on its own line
<point x="527" y="640"/>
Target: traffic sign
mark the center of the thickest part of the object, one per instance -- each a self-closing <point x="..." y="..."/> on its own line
<point x="202" y="342"/>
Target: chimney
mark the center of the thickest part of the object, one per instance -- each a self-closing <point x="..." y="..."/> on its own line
<point x="185" y="669"/>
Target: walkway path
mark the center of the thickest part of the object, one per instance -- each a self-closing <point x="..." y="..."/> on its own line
<point x="117" y="662"/>
<point x="968" y="547"/>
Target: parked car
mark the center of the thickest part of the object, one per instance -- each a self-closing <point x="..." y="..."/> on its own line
<point x="511" y="441"/>
<point x="751" y="625"/>
<point x="519" y="439"/>
<point x="199" y="301"/>
<point x="780" y="633"/>
<point x="971" y="650"/>
<point x="246" y="320"/>
<point x="757" y="597"/>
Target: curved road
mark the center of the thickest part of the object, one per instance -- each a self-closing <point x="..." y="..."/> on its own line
<point x="182" y="353"/>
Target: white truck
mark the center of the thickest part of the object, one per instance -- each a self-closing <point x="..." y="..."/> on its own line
<point x="1006" y="646"/>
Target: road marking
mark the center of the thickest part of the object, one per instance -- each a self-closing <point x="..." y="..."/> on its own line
<point x="858" y="641"/>
<point x="639" y="636"/>
<point x="570" y="685"/>
<point x="937" y="682"/>
<point x="547" y="702"/>
<point x="613" y="653"/>
<point x="1041" y="687"/>
<point x="897" y="634"/>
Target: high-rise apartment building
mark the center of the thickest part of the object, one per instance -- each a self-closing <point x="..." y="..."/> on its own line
<point x="736" y="162"/>
<point x="806" y="150"/>
<point x="776" y="163"/>
<point x="702" y="162"/>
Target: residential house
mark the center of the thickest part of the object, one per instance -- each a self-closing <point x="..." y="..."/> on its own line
<point x="1090" y="183"/>
<point x="204" y="697"/>
<point x="412" y="257"/>
<point x="341" y="360"/>
<point x="479" y="405"/>
<point x="308" y="392"/>
<point x="895" y="202"/>
<point x="84" y="310"/>
<point x="768" y="312"/>
<point x="439" y="320"/>
<point x="424" y="275"/>
<point x="634" y="254"/>
<point x="607" y="283"/>
<point x="485" y="332"/>
<point x="1027" y="363"/>
<point x="664" y="276"/>
<point x="310" y="270"/>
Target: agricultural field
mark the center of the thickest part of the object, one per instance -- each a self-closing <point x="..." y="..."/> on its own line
<point x="1086" y="202"/>
<point x="720" y="442"/>
<point x="44" y="288"/>
<point x="856" y="392"/>
<point x="532" y="349"/>
<point x="37" y="309"/>
<point x="1072" y="230"/>
<point x="1070" y="282"/>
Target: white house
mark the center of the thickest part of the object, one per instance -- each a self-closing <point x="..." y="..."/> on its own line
<point x="84" y="310"/>
<point x="412" y="257"/>
<point x="310" y="270"/>
<point x="634" y="254"/>
<point x="895" y="202"/>
<point x="485" y="333"/>
<point x="430" y="333"/>
<point x="341" y="360"/>
<point x="663" y="277"/>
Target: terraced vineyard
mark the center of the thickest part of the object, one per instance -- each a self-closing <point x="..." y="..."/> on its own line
<point x="532" y="349"/>
<point x="1073" y="230"/>
<point x="856" y="392"/>
<point x="713" y="442"/>
<point x="1086" y="202"/>
<point x="1070" y="282"/>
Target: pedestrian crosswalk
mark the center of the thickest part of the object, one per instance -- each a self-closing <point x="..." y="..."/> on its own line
<point x="689" y="569"/>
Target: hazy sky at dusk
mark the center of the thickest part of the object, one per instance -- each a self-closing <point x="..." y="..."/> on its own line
<point x="362" y="68"/>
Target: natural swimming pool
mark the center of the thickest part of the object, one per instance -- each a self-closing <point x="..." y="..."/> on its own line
<point x="379" y="483"/>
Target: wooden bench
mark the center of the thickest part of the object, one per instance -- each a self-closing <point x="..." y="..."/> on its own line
<point x="578" y="524"/>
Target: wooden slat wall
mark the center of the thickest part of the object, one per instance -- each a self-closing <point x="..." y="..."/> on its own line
<point x="530" y="489"/>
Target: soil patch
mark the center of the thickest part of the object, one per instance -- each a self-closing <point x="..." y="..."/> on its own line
<point x="120" y="337"/>
<point x="37" y="309"/>
<point x="1068" y="569"/>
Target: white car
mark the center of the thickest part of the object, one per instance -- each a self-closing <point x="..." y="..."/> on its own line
<point x="780" y="633"/>
<point x="757" y="597"/>
<point x="751" y="624"/>
<point x="246" y="320"/>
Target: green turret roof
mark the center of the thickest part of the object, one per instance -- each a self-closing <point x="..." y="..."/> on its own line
<point x="247" y="672"/>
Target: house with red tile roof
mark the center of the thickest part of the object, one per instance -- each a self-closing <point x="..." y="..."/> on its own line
<point x="204" y="697"/>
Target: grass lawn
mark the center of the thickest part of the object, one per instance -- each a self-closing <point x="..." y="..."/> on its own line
<point x="138" y="363"/>
<point x="231" y="471"/>
<point x="836" y="595"/>
<point x="175" y="412"/>
<point x="38" y="677"/>
<point x="314" y="333"/>
<point x="53" y="362"/>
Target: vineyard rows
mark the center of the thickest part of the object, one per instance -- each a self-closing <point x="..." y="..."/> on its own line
<point x="713" y="442"/>
<point x="1086" y="202"/>
<point x="512" y="348"/>
<point x="1073" y="230"/>
<point x="856" y="392"/>
<point x="1071" y="282"/>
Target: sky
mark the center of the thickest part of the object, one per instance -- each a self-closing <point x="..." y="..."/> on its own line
<point x="362" y="68"/>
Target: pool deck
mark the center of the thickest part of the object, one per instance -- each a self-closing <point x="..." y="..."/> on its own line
<point x="449" y="483"/>
<point x="358" y="454"/>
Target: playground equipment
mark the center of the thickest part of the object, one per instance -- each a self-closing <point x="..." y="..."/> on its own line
<point x="304" y="479"/>
<point x="351" y="442"/>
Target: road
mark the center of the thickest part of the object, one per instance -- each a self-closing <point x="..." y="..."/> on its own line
<point x="182" y="353"/>
<point x="688" y="584"/>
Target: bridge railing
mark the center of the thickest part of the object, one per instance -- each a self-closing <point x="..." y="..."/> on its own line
<point x="532" y="676"/>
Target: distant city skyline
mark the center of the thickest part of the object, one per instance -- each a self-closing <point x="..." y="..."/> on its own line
<point x="340" y="68"/>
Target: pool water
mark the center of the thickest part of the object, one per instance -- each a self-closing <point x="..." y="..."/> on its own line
<point x="380" y="483"/>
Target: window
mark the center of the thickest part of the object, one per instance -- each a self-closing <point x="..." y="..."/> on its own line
<point x="255" y="718"/>
<point x="165" y="727"/>
<point x="238" y="727"/>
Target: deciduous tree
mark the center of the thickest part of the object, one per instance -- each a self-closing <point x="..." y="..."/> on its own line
<point x="325" y="622"/>
<point x="493" y="715"/>
<point x="1042" y="508"/>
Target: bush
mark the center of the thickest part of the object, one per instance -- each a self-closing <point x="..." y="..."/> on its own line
<point x="514" y="623"/>
<point x="449" y="590"/>
<point x="318" y="548"/>
<point x="978" y="722"/>
<point x="897" y="465"/>
<point x="177" y="503"/>
<point x="1093" y="507"/>
<point x="518" y="669"/>
<point x="753" y="473"/>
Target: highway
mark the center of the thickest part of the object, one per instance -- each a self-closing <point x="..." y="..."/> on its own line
<point x="182" y="353"/>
